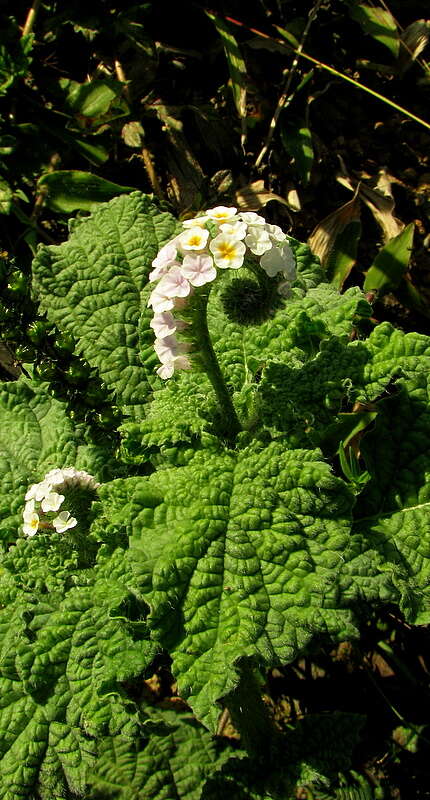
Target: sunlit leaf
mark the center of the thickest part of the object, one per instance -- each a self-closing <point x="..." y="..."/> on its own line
<point x="236" y="64"/>
<point x="92" y="98"/>
<point x="379" y="23"/>
<point x="255" y="196"/>
<point x="70" y="190"/>
<point x="6" y="196"/>
<point x="391" y="263"/>
<point x="133" y="134"/>
<point x="413" y="41"/>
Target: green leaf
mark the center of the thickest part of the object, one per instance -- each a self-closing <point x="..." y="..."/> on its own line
<point x="6" y="197"/>
<point x="15" y="54"/>
<point x="343" y="256"/>
<point x="90" y="286"/>
<point x="92" y="98"/>
<point x="62" y="664"/>
<point x="297" y="141"/>
<point x="37" y="435"/>
<point x="68" y="190"/>
<point x="176" y="762"/>
<point x="94" y="153"/>
<point x="133" y="134"/>
<point x="377" y="22"/>
<point x="236" y="64"/>
<point x="391" y="263"/>
<point x="244" y="555"/>
<point x="394" y="510"/>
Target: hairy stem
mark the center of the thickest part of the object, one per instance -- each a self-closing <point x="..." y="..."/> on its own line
<point x="212" y="368"/>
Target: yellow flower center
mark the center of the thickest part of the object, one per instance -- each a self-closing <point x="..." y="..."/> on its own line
<point x="227" y="250"/>
<point x="194" y="241"/>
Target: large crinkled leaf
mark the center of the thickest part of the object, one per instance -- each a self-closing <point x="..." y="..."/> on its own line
<point x="308" y="395"/>
<point x="183" y="408"/>
<point x="90" y="287"/>
<point x="394" y="354"/>
<point x="394" y="512"/>
<point x="178" y="758"/>
<point x="313" y="751"/>
<point x="36" y="435"/>
<point x="63" y="661"/>
<point x="253" y="545"/>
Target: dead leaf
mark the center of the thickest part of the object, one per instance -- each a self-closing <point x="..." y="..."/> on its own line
<point x="412" y="42"/>
<point x="378" y="199"/>
<point x="254" y="196"/>
<point x="323" y="238"/>
<point x="8" y="362"/>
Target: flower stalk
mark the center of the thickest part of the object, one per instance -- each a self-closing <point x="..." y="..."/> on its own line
<point x="211" y="366"/>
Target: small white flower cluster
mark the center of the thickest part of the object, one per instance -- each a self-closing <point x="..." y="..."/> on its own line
<point x="43" y="500"/>
<point x="190" y="260"/>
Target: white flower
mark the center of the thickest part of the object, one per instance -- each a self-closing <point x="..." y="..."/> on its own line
<point x="164" y="324"/>
<point x="251" y="218"/>
<point x="258" y="240"/>
<point x="198" y="269"/>
<point x="167" y="368"/>
<point x="64" y="521"/>
<point x="221" y="213"/>
<point x="194" y="239"/>
<point x="69" y="476"/>
<point x="164" y="259"/>
<point x="39" y="490"/>
<point x="169" y="348"/>
<point x="54" y="477"/>
<point x="227" y="251"/>
<point x="275" y="232"/>
<point x="279" y="259"/>
<point x="196" y="221"/>
<point x="160" y="302"/>
<point x="173" y="285"/>
<point x="31" y="519"/>
<point x="235" y="229"/>
<point x="52" y="501"/>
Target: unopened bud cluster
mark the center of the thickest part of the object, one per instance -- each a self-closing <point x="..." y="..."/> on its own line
<point x="44" y="500"/>
<point x="221" y="238"/>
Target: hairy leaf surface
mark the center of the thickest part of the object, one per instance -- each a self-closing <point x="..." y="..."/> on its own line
<point x="62" y="663"/>
<point x="243" y="555"/>
<point x="175" y="763"/>
<point x="90" y="287"/>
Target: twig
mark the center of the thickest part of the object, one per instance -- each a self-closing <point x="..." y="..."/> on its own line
<point x="285" y="98"/>
<point x="31" y="16"/>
